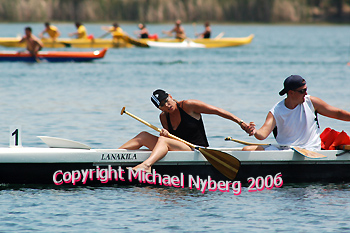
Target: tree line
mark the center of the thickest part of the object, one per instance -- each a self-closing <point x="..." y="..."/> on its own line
<point x="159" y="11"/>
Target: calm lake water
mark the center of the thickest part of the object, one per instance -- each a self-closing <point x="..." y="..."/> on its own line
<point x="82" y="102"/>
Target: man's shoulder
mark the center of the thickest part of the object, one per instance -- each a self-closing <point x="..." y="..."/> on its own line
<point x="279" y="104"/>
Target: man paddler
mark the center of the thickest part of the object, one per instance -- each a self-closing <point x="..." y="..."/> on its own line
<point x="294" y="120"/>
<point x="34" y="45"/>
<point x="81" y="32"/>
<point x="51" y="30"/>
<point x="116" y="31"/>
<point x="178" y="30"/>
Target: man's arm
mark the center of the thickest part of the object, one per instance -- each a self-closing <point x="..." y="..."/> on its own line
<point x="22" y="39"/>
<point x="329" y="111"/>
<point x="38" y="42"/>
<point x="266" y="129"/>
<point x="42" y="33"/>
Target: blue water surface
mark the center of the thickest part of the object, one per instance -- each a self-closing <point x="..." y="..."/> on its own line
<point x="82" y="102"/>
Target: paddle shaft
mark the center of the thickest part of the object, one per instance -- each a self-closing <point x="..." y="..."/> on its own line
<point x="104" y="35"/>
<point x="246" y="143"/>
<point x="304" y="152"/>
<point x="156" y="128"/>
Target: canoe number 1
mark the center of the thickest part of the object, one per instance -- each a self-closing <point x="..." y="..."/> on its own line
<point x="15" y="133"/>
<point x="15" y="136"/>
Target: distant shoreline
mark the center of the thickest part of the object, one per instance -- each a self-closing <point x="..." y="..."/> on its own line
<point x="160" y="11"/>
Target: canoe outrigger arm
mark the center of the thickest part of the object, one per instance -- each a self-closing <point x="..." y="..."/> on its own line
<point x="53" y="142"/>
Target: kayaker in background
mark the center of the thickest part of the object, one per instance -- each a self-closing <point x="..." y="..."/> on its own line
<point x="206" y="33"/>
<point x="182" y="119"/>
<point x="34" y="44"/>
<point x="294" y="119"/>
<point x="178" y="30"/>
<point x="143" y="32"/>
<point x="51" y="30"/>
<point x="115" y="30"/>
<point x="81" y="32"/>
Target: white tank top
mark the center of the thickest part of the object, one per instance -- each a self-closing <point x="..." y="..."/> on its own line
<point x="298" y="126"/>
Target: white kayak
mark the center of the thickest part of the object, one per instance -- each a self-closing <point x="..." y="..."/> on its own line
<point x="183" y="44"/>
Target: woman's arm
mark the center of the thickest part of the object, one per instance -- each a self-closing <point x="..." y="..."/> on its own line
<point x="196" y="107"/>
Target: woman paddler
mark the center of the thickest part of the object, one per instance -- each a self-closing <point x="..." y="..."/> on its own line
<point x="182" y="119"/>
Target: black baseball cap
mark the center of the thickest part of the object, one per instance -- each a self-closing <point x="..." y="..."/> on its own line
<point x="158" y="96"/>
<point x="291" y="83"/>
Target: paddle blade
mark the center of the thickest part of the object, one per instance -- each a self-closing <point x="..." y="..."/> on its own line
<point x="223" y="162"/>
<point x="308" y="153"/>
<point x="137" y="43"/>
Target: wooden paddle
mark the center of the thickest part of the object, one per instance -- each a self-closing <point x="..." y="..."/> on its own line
<point x="304" y="152"/>
<point x="104" y="35"/>
<point x="221" y="34"/>
<point x="308" y="153"/>
<point x="246" y="143"/>
<point x="170" y="34"/>
<point x="194" y="29"/>
<point x="223" y="162"/>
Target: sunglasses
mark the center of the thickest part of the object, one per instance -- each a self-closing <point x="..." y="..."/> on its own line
<point x="302" y="91"/>
<point x="165" y="101"/>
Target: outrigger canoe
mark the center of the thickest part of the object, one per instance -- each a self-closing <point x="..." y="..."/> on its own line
<point x="208" y="43"/>
<point x="70" y="43"/>
<point x="53" y="56"/>
<point x="183" y="44"/>
<point x="125" y="42"/>
<point x="62" y="158"/>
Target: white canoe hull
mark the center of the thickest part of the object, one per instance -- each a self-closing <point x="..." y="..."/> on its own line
<point x="37" y="165"/>
<point x="184" y="44"/>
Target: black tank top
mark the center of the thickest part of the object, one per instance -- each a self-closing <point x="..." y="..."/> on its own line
<point x="206" y="35"/>
<point x="144" y="35"/>
<point x="189" y="129"/>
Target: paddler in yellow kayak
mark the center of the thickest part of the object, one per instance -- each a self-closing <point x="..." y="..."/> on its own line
<point x="206" y="33"/>
<point x="34" y="44"/>
<point x="81" y="32"/>
<point x="178" y="29"/>
<point x="143" y="32"/>
<point x="51" y="30"/>
<point x="117" y="33"/>
<point x="115" y="30"/>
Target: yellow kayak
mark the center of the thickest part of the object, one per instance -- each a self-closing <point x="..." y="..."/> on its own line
<point x="125" y="42"/>
<point x="211" y="43"/>
<point x="74" y="43"/>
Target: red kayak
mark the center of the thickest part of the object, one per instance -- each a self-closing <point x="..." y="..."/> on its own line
<point x="53" y="56"/>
